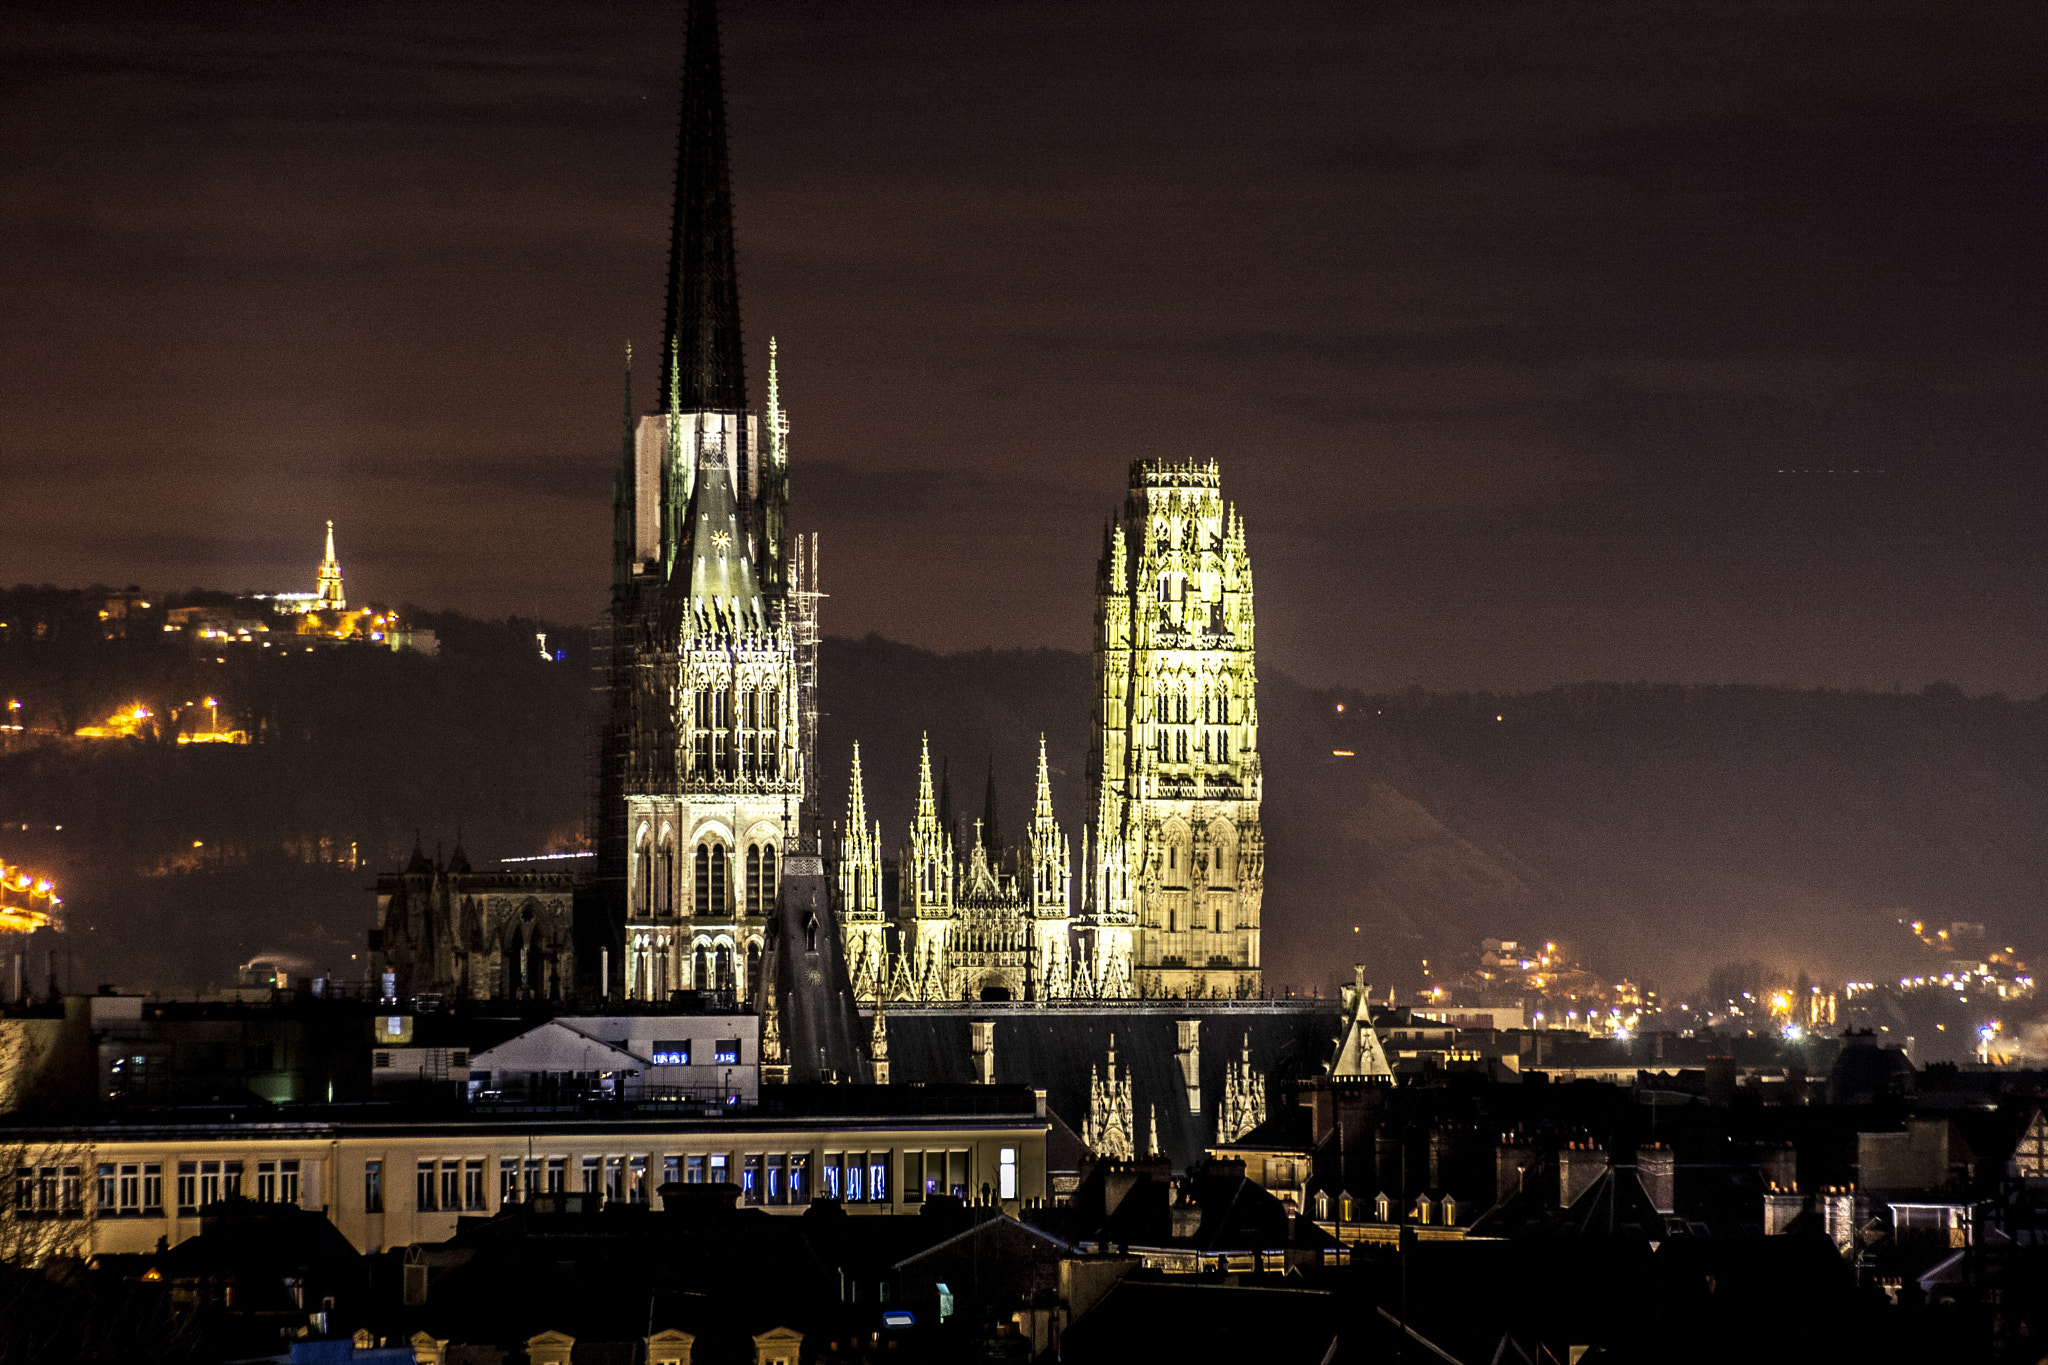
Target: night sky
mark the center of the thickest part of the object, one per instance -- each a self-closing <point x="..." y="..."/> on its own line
<point x="1538" y="342"/>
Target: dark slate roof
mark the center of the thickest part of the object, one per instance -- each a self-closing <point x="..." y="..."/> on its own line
<point x="1239" y="1215"/>
<point x="1199" y="1322"/>
<point x="821" y="1029"/>
<point x="1058" y="1048"/>
<point x="613" y="1275"/>
<point x="1289" y="1127"/>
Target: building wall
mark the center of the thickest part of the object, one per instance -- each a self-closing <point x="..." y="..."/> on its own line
<point x="479" y="935"/>
<point x="334" y="1168"/>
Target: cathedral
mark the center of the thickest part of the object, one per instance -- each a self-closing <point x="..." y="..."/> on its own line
<point x="1163" y="902"/>
<point x="1109" y="958"/>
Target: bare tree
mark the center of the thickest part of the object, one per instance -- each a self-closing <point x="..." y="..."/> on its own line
<point x="47" y="1202"/>
<point x="48" y="1190"/>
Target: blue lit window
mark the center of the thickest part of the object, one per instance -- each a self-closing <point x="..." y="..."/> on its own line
<point x="672" y="1052"/>
<point x="726" y="1052"/>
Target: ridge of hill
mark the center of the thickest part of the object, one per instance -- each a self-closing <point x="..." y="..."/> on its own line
<point x="1656" y="830"/>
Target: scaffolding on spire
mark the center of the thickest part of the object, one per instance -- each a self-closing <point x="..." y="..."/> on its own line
<point x="804" y="597"/>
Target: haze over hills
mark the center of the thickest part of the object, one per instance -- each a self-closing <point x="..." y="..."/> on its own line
<point x="1656" y="831"/>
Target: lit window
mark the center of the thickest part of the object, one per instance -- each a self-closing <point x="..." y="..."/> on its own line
<point x="1006" y="1174"/>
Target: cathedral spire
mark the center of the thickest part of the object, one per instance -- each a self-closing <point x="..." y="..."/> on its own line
<point x="991" y="836"/>
<point x="927" y="804"/>
<point x="1042" y="812"/>
<point x="856" y="799"/>
<point x="701" y="332"/>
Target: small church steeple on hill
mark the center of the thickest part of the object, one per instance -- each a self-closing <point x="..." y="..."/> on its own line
<point x="330" y="595"/>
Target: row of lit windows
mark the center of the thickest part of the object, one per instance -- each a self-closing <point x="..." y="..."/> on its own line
<point x="135" y="1189"/>
<point x="1176" y="708"/>
<point x="657" y="878"/>
<point x="1179" y="919"/>
<point x="757" y="748"/>
<point x="647" y="968"/>
<point x="770" y="1178"/>
<point x="1207" y="746"/>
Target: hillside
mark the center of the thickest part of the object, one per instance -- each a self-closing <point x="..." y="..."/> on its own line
<point x="1659" y="831"/>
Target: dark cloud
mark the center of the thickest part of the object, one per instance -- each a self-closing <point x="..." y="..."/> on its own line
<point x="1501" y="318"/>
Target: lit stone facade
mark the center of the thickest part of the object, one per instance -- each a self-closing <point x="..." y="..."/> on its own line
<point x="701" y="768"/>
<point x="1180" y="853"/>
<point x="466" y="935"/>
<point x="713" y="807"/>
<point x="973" y="928"/>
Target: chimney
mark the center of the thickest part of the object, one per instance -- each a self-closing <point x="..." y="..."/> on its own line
<point x="1720" y="1080"/>
<point x="1511" y="1161"/>
<point x="1657" y="1170"/>
<point x="1579" y="1165"/>
<point x="1779" y="1167"/>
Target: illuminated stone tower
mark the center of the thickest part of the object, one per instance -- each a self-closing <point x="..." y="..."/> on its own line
<point x="1176" y="764"/>
<point x="701" y="776"/>
<point x="329" y="596"/>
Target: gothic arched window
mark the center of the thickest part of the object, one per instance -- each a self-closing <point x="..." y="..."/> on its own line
<point x="700" y="969"/>
<point x="702" y="881"/>
<point x="767" y="879"/>
<point x="722" y="968"/>
<point x="753" y="879"/>
<point x="643" y="893"/>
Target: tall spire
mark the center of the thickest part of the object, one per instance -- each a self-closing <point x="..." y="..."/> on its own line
<point x="701" y="332"/>
<point x="1043" y="810"/>
<point x="991" y="837"/>
<point x="856" y="799"/>
<point x="927" y="804"/>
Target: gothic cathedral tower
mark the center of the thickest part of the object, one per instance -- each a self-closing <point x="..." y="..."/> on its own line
<point x="1179" y="860"/>
<point x="702" y="765"/>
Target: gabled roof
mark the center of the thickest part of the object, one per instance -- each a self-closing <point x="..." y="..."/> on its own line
<point x="555" y="1046"/>
<point x="1004" y="1227"/>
